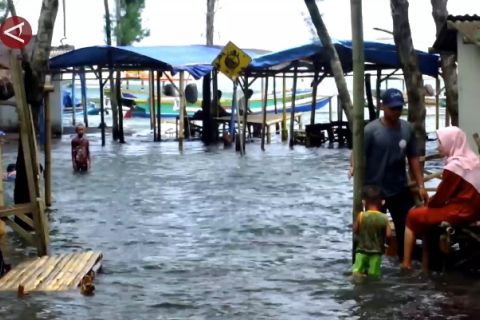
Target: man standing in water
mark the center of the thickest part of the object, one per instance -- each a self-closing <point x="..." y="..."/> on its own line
<point x="388" y="141"/>
<point x="80" y="150"/>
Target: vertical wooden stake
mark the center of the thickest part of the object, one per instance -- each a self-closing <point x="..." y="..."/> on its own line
<point x="292" y="111"/>
<point x="314" y="98"/>
<point x="102" y="106"/>
<point x="245" y="115"/>
<point x="264" y="111"/>
<point x="284" y="109"/>
<point x="181" y="94"/>
<point x="48" y="152"/>
<point x="159" y="107"/>
<point x="239" y="135"/>
<point x="151" y="93"/>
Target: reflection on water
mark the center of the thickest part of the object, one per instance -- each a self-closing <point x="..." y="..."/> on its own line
<point x="206" y="234"/>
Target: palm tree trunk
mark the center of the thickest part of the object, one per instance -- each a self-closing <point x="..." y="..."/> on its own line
<point x="448" y="65"/>
<point x="413" y="78"/>
<point x="335" y="65"/>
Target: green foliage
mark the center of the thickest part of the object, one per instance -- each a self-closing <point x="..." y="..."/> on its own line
<point x="129" y="27"/>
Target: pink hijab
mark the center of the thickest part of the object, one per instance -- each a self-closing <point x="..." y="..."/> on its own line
<point x="461" y="159"/>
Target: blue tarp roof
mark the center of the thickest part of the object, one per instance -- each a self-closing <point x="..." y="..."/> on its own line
<point x="377" y="54"/>
<point x="195" y="59"/>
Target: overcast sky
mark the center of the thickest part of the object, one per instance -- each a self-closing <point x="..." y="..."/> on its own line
<point x="264" y="24"/>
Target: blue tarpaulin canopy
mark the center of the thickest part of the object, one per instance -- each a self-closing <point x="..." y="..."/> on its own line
<point x="377" y="56"/>
<point x="194" y="59"/>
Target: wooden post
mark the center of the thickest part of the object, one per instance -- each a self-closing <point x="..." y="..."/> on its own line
<point x="437" y="103"/>
<point x="277" y="125"/>
<point x="292" y="111"/>
<point x="447" y="117"/>
<point x="27" y="136"/>
<point x="358" y="106"/>
<point x="239" y="137"/>
<point x="48" y="148"/>
<point x="84" y="96"/>
<point x="377" y="91"/>
<point x="74" y="121"/>
<point x="181" y="133"/>
<point x="330" y="109"/>
<point x="151" y="94"/>
<point x="314" y="98"/>
<point x="284" y="109"/>
<point x="102" y="107"/>
<point x="264" y="110"/>
<point x="245" y="124"/>
<point x="118" y="88"/>
<point x="159" y="107"/>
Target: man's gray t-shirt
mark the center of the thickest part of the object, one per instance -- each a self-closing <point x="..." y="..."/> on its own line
<point x="385" y="153"/>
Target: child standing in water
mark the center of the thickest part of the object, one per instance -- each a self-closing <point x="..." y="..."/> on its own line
<point x="372" y="231"/>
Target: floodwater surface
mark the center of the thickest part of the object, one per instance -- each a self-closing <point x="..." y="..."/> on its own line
<point x="207" y="234"/>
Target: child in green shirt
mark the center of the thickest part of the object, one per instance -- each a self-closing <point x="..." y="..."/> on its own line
<point x="372" y="231"/>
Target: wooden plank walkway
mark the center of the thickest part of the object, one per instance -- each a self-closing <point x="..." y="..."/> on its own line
<point x="51" y="273"/>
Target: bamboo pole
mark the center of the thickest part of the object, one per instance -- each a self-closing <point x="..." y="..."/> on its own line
<point x="48" y="152"/>
<point x="437" y="102"/>
<point x="314" y="98"/>
<point x="181" y="93"/>
<point x="284" y="109"/>
<point x="159" y="107"/>
<point x="264" y="110"/>
<point x="358" y="107"/>
<point x="292" y="111"/>
<point x="102" y="107"/>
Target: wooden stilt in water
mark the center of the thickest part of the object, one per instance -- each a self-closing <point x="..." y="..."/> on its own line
<point x="159" y="107"/>
<point x="314" y="98"/>
<point x="292" y="112"/>
<point x="239" y="136"/>
<point x="264" y="111"/>
<point x="151" y="99"/>
<point x="74" y="120"/>
<point x="102" y="107"/>
<point x="48" y="146"/>
<point x="27" y="136"/>
<point x="83" y="90"/>
<point x="181" y="94"/>
<point x="245" y="124"/>
<point x="284" y="109"/>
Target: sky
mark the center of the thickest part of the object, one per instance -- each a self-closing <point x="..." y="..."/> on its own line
<point x="262" y="24"/>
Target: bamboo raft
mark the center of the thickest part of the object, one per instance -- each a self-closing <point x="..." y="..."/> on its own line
<point x="52" y="273"/>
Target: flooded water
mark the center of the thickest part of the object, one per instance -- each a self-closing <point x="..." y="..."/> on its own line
<point x="207" y="234"/>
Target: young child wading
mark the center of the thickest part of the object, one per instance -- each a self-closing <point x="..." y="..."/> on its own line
<point x="372" y="230"/>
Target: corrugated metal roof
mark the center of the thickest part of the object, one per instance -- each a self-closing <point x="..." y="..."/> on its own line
<point x="464" y="18"/>
<point x="447" y="38"/>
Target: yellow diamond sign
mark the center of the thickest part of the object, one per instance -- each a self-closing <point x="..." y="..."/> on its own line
<point x="231" y="61"/>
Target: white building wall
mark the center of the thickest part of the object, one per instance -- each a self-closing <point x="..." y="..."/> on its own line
<point x="468" y="88"/>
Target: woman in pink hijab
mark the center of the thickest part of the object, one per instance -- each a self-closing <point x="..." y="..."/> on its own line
<point x="457" y="200"/>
